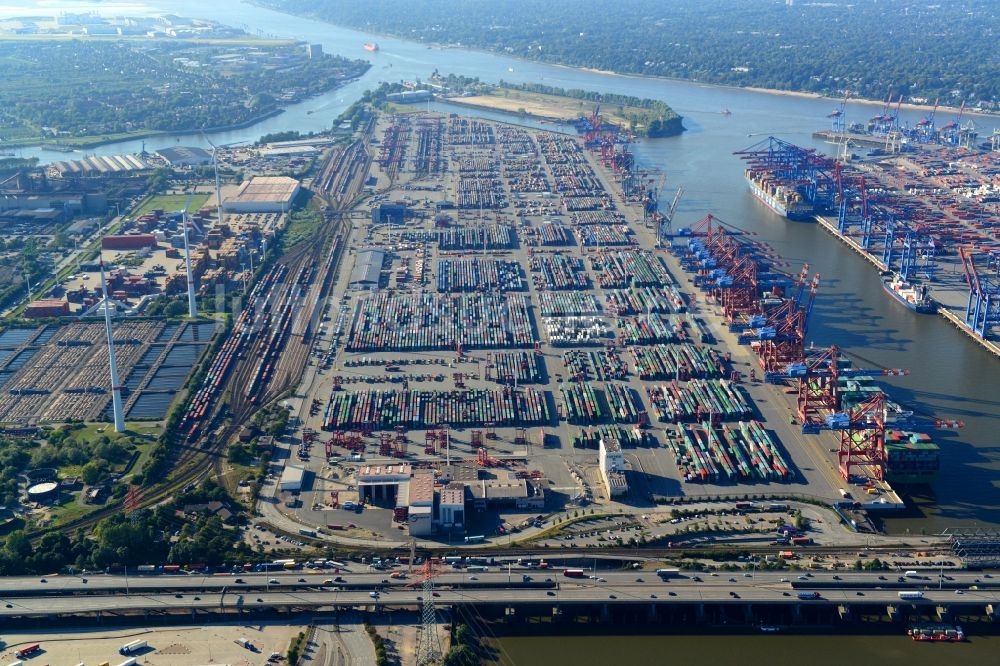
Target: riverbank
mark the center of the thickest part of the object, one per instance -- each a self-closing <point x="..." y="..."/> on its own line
<point x="564" y="110"/>
<point x="70" y="148"/>
<point x="647" y="77"/>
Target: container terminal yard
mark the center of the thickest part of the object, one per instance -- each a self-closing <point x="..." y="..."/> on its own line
<point x="510" y="335"/>
<point x="487" y="334"/>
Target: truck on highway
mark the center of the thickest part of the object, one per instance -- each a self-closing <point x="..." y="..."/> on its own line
<point x="132" y="648"/>
<point x="573" y="573"/>
<point x="912" y="594"/>
<point x="668" y="573"/>
<point x="809" y="595"/>
<point x="245" y="643"/>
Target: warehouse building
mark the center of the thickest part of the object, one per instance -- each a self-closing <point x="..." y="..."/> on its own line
<point x="389" y="213"/>
<point x="410" y="96"/>
<point x="382" y="481"/>
<point x="292" y="478"/>
<point x="102" y="165"/>
<point x="367" y="271"/>
<point x="421" y="503"/>
<point x="181" y="156"/>
<point x="263" y="194"/>
<point x="612" y="465"/>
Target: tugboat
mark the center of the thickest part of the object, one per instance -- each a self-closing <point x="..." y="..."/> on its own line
<point x="914" y="297"/>
<point x="936" y="633"/>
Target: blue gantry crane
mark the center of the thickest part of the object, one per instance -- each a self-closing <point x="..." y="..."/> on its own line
<point x="982" y="312"/>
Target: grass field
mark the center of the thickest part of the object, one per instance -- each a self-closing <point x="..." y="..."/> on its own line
<point x="173" y="202"/>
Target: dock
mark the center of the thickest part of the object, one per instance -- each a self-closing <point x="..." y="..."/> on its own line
<point x="851" y="243"/>
<point x="943" y="309"/>
<point x="989" y="345"/>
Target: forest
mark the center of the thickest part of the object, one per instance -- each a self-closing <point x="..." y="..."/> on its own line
<point x="64" y="90"/>
<point x="872" y="48"/>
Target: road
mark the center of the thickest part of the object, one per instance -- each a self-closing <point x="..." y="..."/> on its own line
<point x="65" y="595"/>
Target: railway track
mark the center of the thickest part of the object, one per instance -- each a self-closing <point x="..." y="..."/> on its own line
<point x="343" y="175"/>
<point x="194" y="463"/>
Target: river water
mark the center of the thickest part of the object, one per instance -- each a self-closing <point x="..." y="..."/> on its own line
<point x="950" y="376"/>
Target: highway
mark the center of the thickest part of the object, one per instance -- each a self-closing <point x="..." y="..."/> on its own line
<point x="70" y="595"/>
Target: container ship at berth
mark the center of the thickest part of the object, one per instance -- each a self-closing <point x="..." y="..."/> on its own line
<point x="782" y="199"/>
<point x="915" y="297"/>
<point x="371" y="47"/>
<point x="912" y="458"/>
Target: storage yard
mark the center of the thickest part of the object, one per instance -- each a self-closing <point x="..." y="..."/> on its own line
<point x="217" y="643"/>
<point x="54" y="374"/>
<point x="618" y="383"/>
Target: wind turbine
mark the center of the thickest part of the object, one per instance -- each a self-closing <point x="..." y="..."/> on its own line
<point x="192" y="301"/>
<point x="215" y="163"/>
<point x="116" y="389"/>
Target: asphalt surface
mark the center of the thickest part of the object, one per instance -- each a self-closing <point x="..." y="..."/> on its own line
<point x="27" y="596"/>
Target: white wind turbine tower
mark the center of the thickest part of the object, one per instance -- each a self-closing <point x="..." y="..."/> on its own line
<point x="215" y="163"/>
<point x="116" y="389"/>
<point x="192" y="301"/>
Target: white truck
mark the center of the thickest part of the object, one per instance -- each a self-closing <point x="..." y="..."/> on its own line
<point x="132" y="647"/>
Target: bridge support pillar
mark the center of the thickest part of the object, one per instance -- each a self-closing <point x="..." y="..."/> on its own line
<point x="651" y="615"/>
<point x="605" y="612"/>
<point x="748" y="614"/>
<point x="699" y="612"/>
<point x="797" y="613"/>
<point x="943" y="613"/>
<point x="844" y="611"/>
<point x="892" y="612"/>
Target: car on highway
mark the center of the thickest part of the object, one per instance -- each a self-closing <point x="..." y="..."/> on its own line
<point x="273" y="581"/>
<point x="240" y="581"/>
